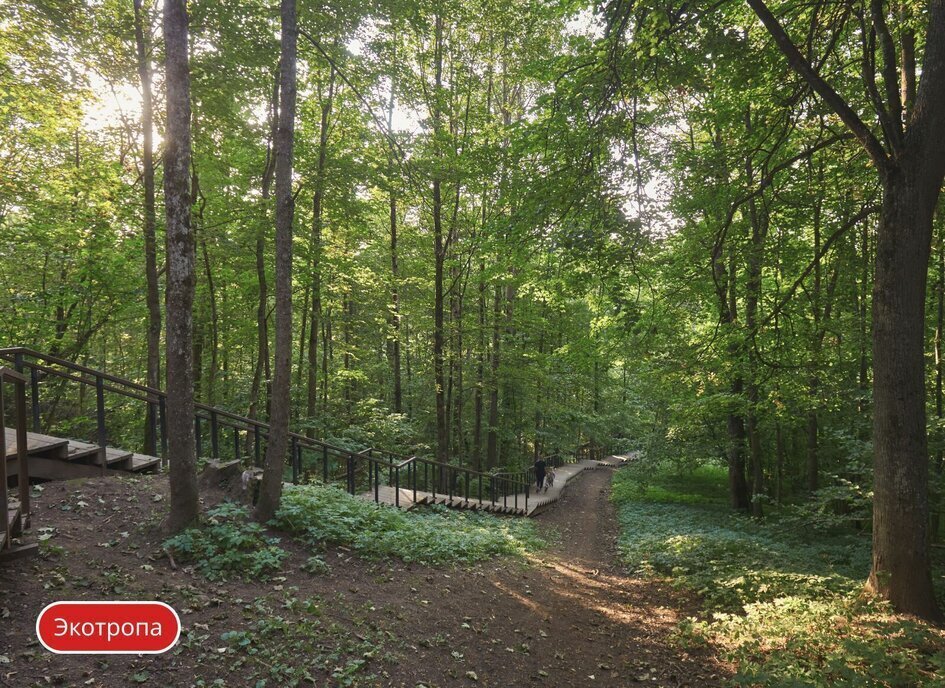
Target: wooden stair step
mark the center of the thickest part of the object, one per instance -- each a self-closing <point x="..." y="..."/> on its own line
<point x="81" y="450"/>
<point x="142" y="462"/>
<point x="36" y="445"/>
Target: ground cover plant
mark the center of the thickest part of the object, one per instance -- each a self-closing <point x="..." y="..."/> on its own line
<point x="228" y="545"/>
<point x="326" y="515"/>
<point x="783" y="601"/>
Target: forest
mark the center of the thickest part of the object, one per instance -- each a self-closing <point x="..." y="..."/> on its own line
<point x="707" y="236"/>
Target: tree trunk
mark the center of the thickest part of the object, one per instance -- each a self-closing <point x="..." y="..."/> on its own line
<point x="316" y="250"/>
<point x="480" y="368"/>
<point x="911" y="167"/>
<point x="214" y="326"/>
<point x="901" y="570"/>
<point x="492" y="434"/>
<point x="153" y="297"/>
<point x="181" y="259"/>
<point x="270" y="491"/>
<point x="439" y="256"/>
<point x="261" y="372"/>
<point x="394" y="337"/>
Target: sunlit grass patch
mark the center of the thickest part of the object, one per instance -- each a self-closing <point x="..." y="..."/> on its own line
<point x="326" y="515"/>
<point x="783" y="604"/>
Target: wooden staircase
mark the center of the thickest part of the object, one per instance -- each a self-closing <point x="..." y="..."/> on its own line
<point x="382" y="476"/>
<point x="513" y="505"/>
<point x="54" y="458"/>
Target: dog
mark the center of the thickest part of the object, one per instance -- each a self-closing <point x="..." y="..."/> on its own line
<point x="549" y="479"/>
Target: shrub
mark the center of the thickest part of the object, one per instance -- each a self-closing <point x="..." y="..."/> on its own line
<point x="228" y="545"/>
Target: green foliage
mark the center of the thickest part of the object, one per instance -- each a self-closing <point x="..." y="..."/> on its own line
<point x="228" y="545"/>
<point x="784" y="601"/>
<point x="329" y="516"/>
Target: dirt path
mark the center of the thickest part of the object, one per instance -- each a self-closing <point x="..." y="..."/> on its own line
<point x="571" y="619"/>
<point x="566" y="618"/>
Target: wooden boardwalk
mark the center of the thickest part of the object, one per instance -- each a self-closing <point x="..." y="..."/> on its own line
<point x="513" y="505"/>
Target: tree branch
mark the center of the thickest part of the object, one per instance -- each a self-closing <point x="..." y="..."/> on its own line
<point x="833" y="99"/>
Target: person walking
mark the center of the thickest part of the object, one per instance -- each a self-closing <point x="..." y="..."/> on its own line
<point x="539" y="472"/>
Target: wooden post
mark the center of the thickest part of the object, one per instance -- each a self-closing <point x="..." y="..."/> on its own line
<point x="100" y="419"/>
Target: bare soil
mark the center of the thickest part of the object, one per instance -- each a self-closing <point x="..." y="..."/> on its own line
<point x="567" y="616"/>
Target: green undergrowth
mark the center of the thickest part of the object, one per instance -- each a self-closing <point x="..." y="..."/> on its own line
<point x="783" y="603"/>
<point x="228" y="545"/>
<point x="325" y="515"/>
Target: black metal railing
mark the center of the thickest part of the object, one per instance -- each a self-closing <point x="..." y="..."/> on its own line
<point x="241" y="438"/>
<point x="18" y="380"/>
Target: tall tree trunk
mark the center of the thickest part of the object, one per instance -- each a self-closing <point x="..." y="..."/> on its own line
<point x="480" y="367"/>
<point x="270" y="491"/>
<point x="261" y="372"/>
<point x="911" y="165"/>
<point x="492" y="434"/>
<point x="326" y="352"/>
<point x="347" y="316"/>
<point x="316" y="250"/>
<point x="813" y="383"/>
<point x="901" y="570"/>
<point x="725" y="290"/>
<point x="394" y="337"/>
<point x="939" y="364"/>
<point x="439" y="256"/>
<point x="153" y="297"/>
<point x="181" y="259"/>
<point x="759" y="233"/>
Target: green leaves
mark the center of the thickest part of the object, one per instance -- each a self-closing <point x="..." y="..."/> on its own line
<point x="228" y="545"/>
<point x="325" y="516"/>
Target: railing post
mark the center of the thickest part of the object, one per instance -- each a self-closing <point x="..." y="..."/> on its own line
<point x="100" y="419"/>
<point x="151" y="429"/>
<point x="214" y="435"/>
<point x="396" y="470"/>
<point x="528" y="487"/>
<point x="4" y="499"/>
<point x="22" y="470"/>
<point x="34" y="398"/>
<point x="257" y="444"/>
<point x="377" y="480"/>
<point x="296" y="460"/>
<point x="236" y="444"/>
<point x="198" y="440"/>
<point x="162" y="412"/>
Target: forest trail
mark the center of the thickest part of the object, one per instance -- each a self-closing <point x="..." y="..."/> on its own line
<point x="581" y="620"/>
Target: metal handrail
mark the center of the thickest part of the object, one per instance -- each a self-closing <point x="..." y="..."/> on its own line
<point x="219" y="418"/>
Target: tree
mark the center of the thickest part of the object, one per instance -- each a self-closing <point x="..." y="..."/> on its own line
<point x="270" y="491"/>
<point x="910" y="162"/>
<point x="150" y="243"/>
<point x="179" y="292"/>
